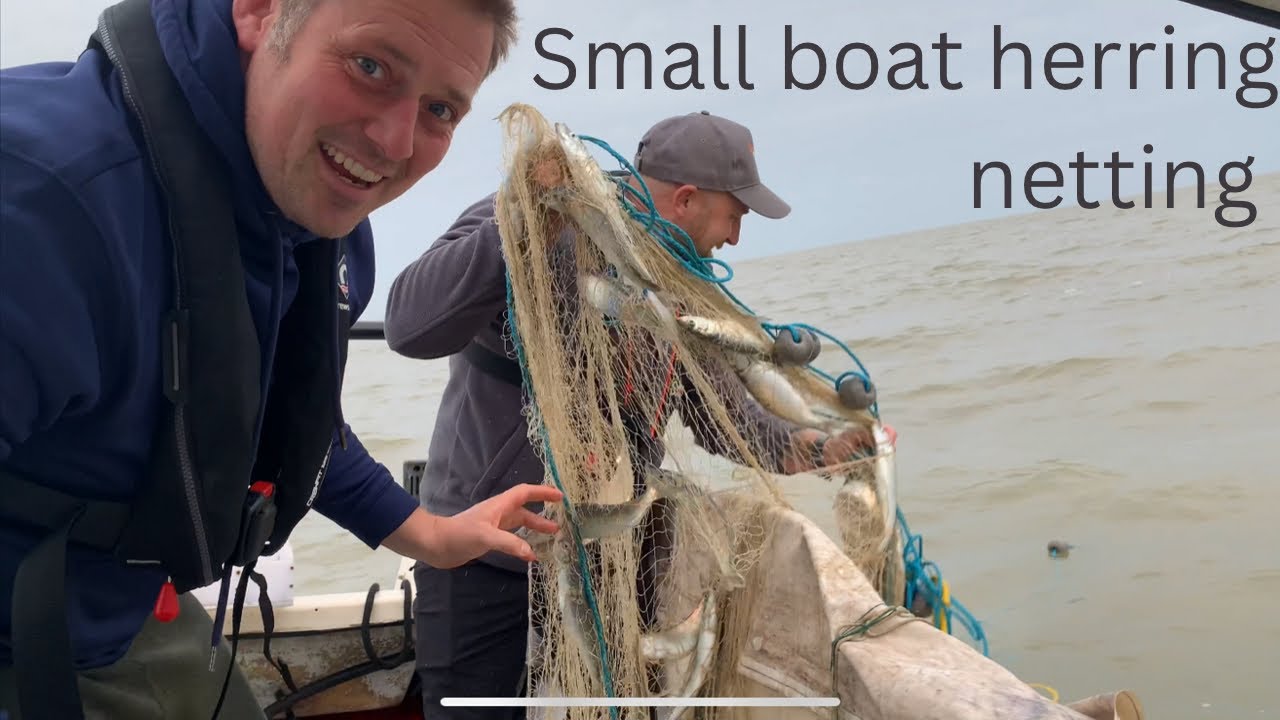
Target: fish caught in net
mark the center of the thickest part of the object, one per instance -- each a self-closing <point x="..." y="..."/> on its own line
<point x="619" y="328"/>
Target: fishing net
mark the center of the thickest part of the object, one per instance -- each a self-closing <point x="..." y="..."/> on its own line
<point x="619" y="329"/>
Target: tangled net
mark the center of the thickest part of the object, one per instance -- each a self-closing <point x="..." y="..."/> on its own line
<point x="617" y="330"/>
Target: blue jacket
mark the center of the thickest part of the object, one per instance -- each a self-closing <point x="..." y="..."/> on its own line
<point x="84" y="280"/>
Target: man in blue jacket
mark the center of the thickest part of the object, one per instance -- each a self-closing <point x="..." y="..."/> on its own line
<point x="169" y="395"/>
<point x="472" y="621"/>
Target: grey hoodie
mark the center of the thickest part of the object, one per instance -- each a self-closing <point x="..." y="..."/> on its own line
<point x="454" y="296"/>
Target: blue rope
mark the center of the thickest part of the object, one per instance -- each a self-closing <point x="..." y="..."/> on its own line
<point x="569" y="512"/>
<point x="639" y="205"/>
<point x="671" y="236"/>
<point x="680" y="246"/>
<point x="865" y="376"/>
<point x="924" y="577"/>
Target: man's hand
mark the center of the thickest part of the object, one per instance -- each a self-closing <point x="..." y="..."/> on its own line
<point x="447" y="542"/>
<point x="484" y="527"/>
<point x="802" y="456"/>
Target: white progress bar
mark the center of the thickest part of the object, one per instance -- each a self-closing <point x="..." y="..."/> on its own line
<point x="802" y="702"/>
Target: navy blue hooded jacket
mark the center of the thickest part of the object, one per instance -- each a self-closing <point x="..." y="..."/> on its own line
<point x="84" y="280"/>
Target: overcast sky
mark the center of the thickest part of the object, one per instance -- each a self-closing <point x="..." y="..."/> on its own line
<point x="853" y="164"/>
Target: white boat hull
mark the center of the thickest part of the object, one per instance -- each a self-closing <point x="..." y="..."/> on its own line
<point x="904" y="669"/>
<point x="317" y="637"/>
<point x="809" y="593"/>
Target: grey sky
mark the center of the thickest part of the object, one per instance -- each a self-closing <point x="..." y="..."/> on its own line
<point x="852" y="163"/>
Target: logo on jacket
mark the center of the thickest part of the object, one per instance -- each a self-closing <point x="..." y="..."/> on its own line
<point x="343" y="288"/>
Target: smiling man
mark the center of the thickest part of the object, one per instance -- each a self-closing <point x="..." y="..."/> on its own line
<point x="184" y="244"/>
<point x="357" y="101"/>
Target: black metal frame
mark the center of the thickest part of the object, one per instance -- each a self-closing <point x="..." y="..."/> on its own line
<point x="1240" y="9"/>
<point x="367" y="330"/>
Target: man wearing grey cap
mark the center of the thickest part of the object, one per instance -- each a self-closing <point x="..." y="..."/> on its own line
<point x="472" y="621"/>
<point x="701" y="153"/>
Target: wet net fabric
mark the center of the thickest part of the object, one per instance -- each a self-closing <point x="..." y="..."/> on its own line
<point x="643" y="377"/>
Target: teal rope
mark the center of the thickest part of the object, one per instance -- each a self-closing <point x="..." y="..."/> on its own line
<point x="920" y="581"/>
<point x="865" y="376"/>
<point x="638" y="204"/>
<point x="674" y="239"/>
<point x="569" y="512"/>
<point x="680" y="246"/>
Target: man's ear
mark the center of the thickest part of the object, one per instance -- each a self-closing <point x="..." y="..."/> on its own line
<point x="682" y="198"/>
<point x="253" y="20"/>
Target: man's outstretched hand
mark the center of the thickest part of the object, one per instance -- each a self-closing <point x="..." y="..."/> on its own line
<point x="447" y="542"/>
<point x="486" y="526"/>
<point x="802" y="456"/>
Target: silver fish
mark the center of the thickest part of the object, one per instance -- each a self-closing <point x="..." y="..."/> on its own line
<point x="595" y="521"/>
<point x="619" y="301"/>
<point x="772" y="389"/>
<point x="609" y="236"/>
<point x="599" y="520"/>
<point x="575" y="613"/>
<point x="579" y="624"/>
<point x="729" y="335"/>
<point x="703" y="655"/>
<point x="599" y="212"/>
<point x="605" y="294"/>
<point x="673" y="642"/>
<point x="540" y="543"/>
<point x="587" y="174"/>
<point x="886" y="472"/>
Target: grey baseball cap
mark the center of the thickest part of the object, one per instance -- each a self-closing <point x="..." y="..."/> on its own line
<point x="711" y="153"/>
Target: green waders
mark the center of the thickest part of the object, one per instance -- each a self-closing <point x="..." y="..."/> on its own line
<point x="164" y="676"/>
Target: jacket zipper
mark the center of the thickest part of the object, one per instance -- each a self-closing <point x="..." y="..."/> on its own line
<point x="340" y="253"/>
<point x="338" y="421"/>
<point x="180" y="424"/>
